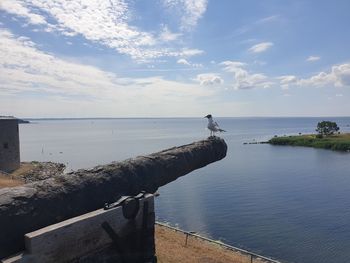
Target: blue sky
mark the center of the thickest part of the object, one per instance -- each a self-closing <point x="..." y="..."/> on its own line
<point x="174" y="58"/>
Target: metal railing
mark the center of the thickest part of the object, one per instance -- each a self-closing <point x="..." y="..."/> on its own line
<point x="236" y="249"/>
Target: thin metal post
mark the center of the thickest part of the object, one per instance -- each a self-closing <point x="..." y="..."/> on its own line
<point x="186" y="239"/>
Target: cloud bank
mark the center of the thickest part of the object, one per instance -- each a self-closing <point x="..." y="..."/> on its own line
<point x="39" y="77"/>
<point x="106" y="23"/>
<point x="191" y="11"/>
<point x="242" y="79"/>
<point x="209" y="79"/>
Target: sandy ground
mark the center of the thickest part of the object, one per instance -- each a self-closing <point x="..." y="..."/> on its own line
<point x="170" y="248"/>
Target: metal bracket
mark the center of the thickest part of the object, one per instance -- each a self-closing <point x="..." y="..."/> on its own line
<point x="123" y="199"/>
<point x="130" y="204"/>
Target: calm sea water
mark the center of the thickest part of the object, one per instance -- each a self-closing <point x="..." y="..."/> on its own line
<point x="290" y="203"/>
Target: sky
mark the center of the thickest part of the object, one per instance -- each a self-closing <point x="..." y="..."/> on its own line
<point x="174" y="58"/>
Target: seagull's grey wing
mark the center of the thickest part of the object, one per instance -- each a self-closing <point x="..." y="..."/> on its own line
<point x="218" y="128"/>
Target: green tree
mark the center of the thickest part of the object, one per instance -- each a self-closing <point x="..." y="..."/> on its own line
<point x="327" y="128"/>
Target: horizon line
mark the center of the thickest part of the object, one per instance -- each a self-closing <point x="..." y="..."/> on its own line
<point x="178" y="117"/>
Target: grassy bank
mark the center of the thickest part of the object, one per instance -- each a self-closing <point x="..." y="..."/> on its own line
<point x="338" y="142"/>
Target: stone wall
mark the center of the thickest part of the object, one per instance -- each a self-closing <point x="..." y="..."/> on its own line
<point x="9" y="144"/>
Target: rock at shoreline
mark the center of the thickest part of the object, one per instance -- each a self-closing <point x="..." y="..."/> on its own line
<point x="20" y="121"/>
<point x="42" y="171"/>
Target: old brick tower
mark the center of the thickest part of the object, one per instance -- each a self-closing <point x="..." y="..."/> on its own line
<point x="9" y="144"/>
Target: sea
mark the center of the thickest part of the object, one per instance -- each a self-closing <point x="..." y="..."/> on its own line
<point x="288" y="203"/>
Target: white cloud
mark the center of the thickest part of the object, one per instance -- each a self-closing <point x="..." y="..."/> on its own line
<point x="342" y="75"/>
<point x="313" y="58"/>
<point x="321" y="79"/>
<point x="243" y="79"/>
<point x="339" y="95"/>
<point x="189" y="52"/>
<point x="183" y="61"/>
<point x="338" y="76"/>
<point x="231" y="66"/>
<point x="166" y="35"/>
<point x="191" y="10"/>
<point x="19" y="9"/>
<point x="287" y="81"/>
<point x="261" y="47"/>
<point x="209" y="79"/>
<point x="25" y="70"/>
<point x="104" y="22"/>
<point x="187" y="63"/>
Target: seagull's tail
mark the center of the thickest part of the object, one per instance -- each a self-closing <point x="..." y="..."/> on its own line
<point x="221" y="130"/>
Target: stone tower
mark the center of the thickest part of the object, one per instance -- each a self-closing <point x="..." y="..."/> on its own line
<point x="9" y="144"/>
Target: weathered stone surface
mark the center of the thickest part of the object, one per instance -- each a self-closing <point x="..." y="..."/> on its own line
<point x="9" y="144"/>
<point x="33" y="206"/>
<point x="35" y="171"/>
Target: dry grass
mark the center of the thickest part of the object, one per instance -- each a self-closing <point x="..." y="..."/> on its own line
<point x="14" y="178"/>
<point x="7" y="181"/>
<point x="170" y="248"/>
<point x="23" y="169"/>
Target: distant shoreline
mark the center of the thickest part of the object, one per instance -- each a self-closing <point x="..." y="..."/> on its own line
<point x="336" y="142"/>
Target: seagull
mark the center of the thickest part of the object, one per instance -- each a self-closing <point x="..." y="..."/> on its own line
<point x="213" y="126"/>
